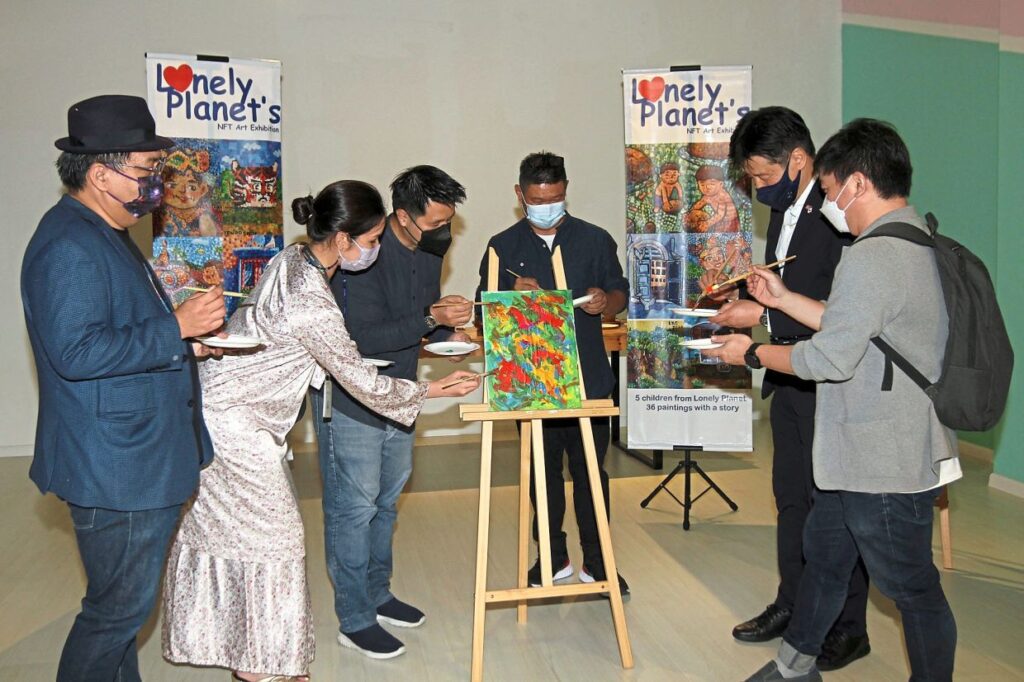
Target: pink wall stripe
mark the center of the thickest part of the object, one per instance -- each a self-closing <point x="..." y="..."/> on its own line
<point x="1011" y="19"/>
<point x="976" y="13"/>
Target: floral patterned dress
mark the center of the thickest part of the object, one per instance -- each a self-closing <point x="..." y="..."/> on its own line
<point x="235" y="593"/>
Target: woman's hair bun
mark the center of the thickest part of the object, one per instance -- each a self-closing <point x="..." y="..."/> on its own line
<point x="302" y="210"/>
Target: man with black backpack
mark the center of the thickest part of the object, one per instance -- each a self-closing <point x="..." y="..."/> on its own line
<point x="881" y="454"/>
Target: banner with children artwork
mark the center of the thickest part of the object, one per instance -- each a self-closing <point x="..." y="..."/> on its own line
<point x="221" y="220"/>
<point x="530" y="351"/>
<point x="688" y="226"/>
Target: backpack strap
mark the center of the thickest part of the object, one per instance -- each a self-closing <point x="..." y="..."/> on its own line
<point x="904" y="231"/>
<point x="892" y="356"/>
<point x="913" y="234"/>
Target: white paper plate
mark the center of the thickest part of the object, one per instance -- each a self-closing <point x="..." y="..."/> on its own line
<point x="451" y="347"/>
<point x="700" y="344"/>
<point x="378" y="363"/>
<point x="694" y="312"/>
<point x="582" y="300"/>
<point x="231" y="341"/>
<point x="610" y="325"/>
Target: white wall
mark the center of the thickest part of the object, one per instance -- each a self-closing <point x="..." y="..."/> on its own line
<point x="373" y="87"/>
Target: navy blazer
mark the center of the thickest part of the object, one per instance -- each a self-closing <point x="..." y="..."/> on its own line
<point x="120" y="412"/>
<point x="819" y="247"/>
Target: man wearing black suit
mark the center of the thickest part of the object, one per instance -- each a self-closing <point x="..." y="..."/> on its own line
<point x="773" y="147"/>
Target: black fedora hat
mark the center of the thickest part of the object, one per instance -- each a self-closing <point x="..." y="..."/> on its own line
<point x="111" y="123"/>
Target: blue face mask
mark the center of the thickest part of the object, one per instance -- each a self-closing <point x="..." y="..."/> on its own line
<point x="782" y="194"/>
<point x="544" y="216"/>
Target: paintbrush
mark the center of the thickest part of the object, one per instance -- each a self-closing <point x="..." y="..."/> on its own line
<point x="451" y="305"/>
<point x="472" y="376"/>
<point x="226" y="293"/>
<point x="517" y="276"/>
<point x="715" y="287"/>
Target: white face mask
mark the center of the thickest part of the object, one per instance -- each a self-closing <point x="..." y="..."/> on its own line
<point x="365" y="260"/>
<point x="544" y="216"/>
<point x="836" y="215"/>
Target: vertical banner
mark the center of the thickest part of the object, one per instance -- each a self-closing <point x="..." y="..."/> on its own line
<point x="688" y="226"/>
<point x="221" y="220"/>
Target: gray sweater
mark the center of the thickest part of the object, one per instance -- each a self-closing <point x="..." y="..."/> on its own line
<point x="867" y="440"/>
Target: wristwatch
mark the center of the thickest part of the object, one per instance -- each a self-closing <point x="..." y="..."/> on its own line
<point x="430" y="321"/>
<point x="764" y="319"/>
<point x="750" y="357"/>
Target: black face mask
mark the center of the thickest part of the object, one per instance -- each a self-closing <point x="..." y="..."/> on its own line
<point x="782" y="194"/>
<point x="436" y="241"/>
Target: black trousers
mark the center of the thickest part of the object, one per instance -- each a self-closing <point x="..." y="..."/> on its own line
<point x="562" y="438"/>
<point x="792" y="420"/>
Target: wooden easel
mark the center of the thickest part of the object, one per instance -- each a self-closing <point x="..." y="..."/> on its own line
<point x="532" y="428"/>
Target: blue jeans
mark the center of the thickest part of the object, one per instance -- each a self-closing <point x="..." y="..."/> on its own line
<point x="364" y="469"/>
<point x="893" y="534"/>
<point x="123" y="554"/>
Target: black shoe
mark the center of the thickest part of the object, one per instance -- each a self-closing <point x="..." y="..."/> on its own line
<point x="764" y="627"/>
<point x="562" y="569"/>
<point x="399" y="613"/>
<point x="374" y="641"/>
<point x="598" y="575"/>
<point x="840" y="650"/>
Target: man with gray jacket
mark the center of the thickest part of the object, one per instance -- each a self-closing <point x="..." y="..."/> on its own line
<point x="881" y="455"/>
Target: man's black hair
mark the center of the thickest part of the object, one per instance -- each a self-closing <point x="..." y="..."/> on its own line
<point x="72" y="168"/>
<point x="415" y="187"/>
<point x="873" y="148"/>
<point x="541" y="168"/>
<point x="771" y="132"/>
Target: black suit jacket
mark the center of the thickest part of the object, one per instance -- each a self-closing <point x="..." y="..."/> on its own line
<point x="818" y="247"/>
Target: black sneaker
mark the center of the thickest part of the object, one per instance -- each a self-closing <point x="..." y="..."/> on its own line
<point x="598" y="575"/>
<point x="563" y="573"/>
<point x="399" y="613"/>
<point x="841" y="649"/>
<point x="374" y="642"/>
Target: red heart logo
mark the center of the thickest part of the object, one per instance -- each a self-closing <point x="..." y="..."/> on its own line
<point x="181" y="77"/>
<point x="651" y="90"/>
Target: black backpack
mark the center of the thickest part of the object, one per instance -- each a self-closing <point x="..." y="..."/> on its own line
<point x="971" y="393"/>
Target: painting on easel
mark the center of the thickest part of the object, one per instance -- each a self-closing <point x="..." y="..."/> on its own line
<point x="530" y="350"/>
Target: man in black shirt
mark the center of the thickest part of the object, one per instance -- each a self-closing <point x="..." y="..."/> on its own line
<point x="773" y="147"/>
<point x="592" y="267"/>
<point x="365" y="459"/>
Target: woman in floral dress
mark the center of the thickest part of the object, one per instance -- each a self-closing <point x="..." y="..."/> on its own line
<point x="235" y="594"/>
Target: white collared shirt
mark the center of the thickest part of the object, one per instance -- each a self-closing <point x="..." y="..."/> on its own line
<point x="789" y="220"/>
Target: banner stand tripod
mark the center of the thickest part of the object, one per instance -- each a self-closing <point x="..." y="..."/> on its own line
<point x="688" y="466"/>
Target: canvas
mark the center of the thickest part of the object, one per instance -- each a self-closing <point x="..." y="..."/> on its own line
<point x="530" y="346"/>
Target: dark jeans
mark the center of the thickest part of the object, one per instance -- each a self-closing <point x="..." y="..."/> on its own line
<point x="893" y="533"/>
<point x="123" y="554"/>
<point x="792" y="420"/>
<point x="364" y="469"/>
<point x="562" y="437"/>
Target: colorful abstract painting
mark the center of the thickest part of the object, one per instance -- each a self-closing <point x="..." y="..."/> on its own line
<point x="530" y="346"/>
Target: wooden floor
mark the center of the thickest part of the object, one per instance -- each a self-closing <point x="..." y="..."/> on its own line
<point x="689" y="588"/>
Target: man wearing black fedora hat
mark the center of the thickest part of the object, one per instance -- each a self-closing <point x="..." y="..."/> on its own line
<point x="120" y="434"/>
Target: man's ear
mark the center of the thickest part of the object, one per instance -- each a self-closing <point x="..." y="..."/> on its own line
<point x="803" y="161"/>
<point x="97" y="175"/>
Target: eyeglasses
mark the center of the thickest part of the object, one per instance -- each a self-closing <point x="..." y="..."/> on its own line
<point x="158" y="169"/>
